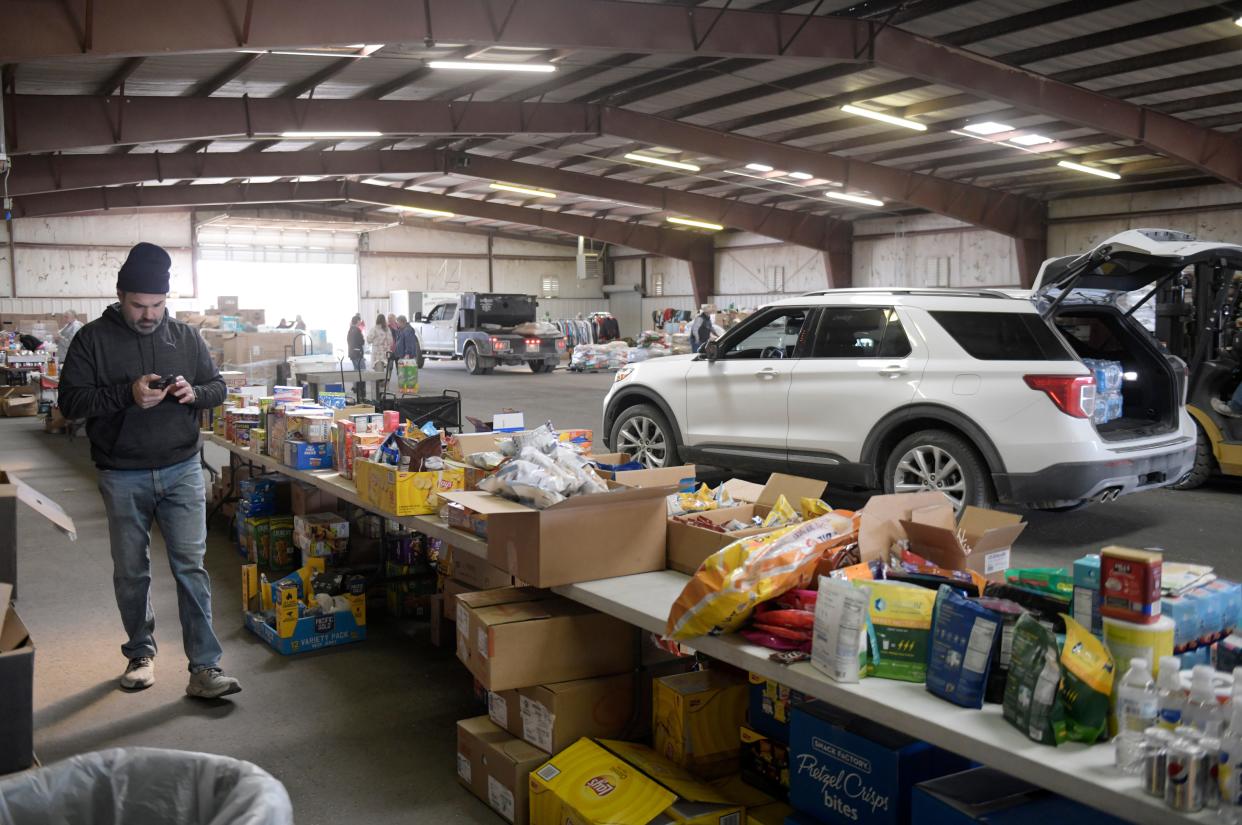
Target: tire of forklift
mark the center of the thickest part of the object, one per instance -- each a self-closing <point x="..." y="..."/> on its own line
<point x="1205" y="463"/>
<point x="474" y="364"/>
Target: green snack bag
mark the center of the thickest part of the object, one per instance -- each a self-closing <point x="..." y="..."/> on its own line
<point x="1032" y="698"/>
<point x="1057" y="581"/>
<point x="899" y="618"/>
<point x="1085" y="686"/>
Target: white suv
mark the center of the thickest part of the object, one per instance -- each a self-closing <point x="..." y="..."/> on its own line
<point x="976" y="393"/>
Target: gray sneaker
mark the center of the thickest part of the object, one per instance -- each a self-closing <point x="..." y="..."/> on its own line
<point x="139" y="674"/>
<point x="211" y="683"/>
<point x="1225" y="408"/>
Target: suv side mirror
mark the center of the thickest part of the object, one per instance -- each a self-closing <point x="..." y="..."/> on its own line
<point x="418" y="317"/>
<point x="711" y="351"/>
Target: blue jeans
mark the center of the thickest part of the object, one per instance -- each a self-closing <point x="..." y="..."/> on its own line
<point x="175" y="498"/>
<point x="1235" y="403"/>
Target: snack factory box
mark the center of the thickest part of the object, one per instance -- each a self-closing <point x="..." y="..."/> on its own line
<point x="607" y="782"/>
<point x="398" y="493"/>
<point x="848" y="770"/>
<point x="290" y="631"/>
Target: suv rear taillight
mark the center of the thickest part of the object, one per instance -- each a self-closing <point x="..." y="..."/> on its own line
<point x="1073" y="394"/>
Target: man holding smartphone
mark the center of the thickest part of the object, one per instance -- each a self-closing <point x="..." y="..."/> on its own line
<point x="139" y="378"/>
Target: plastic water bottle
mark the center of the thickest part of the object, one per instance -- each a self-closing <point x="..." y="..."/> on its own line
<point x="1229" y="775"/>
<point x="1172" y="699"/>
<point x="1137" y="710"/>
<point x="1202" y="711"/>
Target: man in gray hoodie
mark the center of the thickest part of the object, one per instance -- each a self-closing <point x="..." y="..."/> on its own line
<point x="139" y="378"/>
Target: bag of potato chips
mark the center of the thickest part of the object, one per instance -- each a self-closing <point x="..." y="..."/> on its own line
<point x="1086" y="683"/>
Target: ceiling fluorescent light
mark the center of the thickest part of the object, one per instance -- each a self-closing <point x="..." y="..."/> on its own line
<point x="1090" y="170"/>
<point x="1030" y="140"/>
<point x="759" y="167"/>
<point x="316" y="135"/>
<point x="880" y="116"/>
<point x="715" y="227"/>
<point x="431" y="213"/>
<point x="801" y="176"/>
<point x="845" y="196"/>
<point x="988" y="127"/>
<point x="523" y="190"/>
<point x="671" y="164"/>
<point x="491" y="66"/>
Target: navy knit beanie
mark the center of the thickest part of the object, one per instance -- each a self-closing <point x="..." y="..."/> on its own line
<point x="145" y="270"/>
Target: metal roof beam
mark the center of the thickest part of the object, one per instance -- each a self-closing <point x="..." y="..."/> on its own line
<point x="673" y="243"/>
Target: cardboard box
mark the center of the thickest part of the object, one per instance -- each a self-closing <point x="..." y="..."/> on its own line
<point x="553" y="717"/>
<point x="880" y="521"/>
<point x="496" y="767"/>
<point x="311" y="427"/>
<point x="395" y="493"/>
<point x="981" y="540"/>
<point x="227" y="304"/>
<point x="771" y="706"/>
<point x="516" y="637"/>
<point x="452" y="589"/>
<point x="252" y="317"/>
<point x="774" y="813"/>
<point x="305" y="499"/>
<point x="243" y="348"/>
<point x="580" y="539"/>
<point x="292" y="632"/>
<point x="689" y="546"/>
<point x="12" y="490"/>
<point x="848" y="770"/>
<point x="677" y="476"/>
<point x="469" y="569"/>
<point x="19" y="406"/>
<point x="607" y="782"/>
<point x="985" y="795"/>
<point x="696" y="718"/>
<point x="16" y="688"/>
<point x="460" y="516"/>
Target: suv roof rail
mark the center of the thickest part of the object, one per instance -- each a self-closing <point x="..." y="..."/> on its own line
<point x="923" y="291"/>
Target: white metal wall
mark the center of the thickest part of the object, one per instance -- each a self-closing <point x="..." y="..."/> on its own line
<point x="930" y="250"/>
<point x="1208" y="212"/>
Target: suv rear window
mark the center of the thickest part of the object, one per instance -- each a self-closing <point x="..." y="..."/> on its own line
<point x="1004" y="336"/>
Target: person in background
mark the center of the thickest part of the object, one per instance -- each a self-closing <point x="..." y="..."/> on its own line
<point x="701" y="330"/>
<point x="139" y="378"/>
<point x="298" y="323"/>
<point x="283" y="324"/>
<point x="392" y="324"/>
<point x="69" y="326"/>
<point x="380" y="339"/>
<point x="405" y="342"/>
<point x="355" y="341"/>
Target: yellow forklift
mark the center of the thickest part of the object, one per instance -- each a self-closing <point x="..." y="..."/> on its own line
<point x="1197" y="318"/>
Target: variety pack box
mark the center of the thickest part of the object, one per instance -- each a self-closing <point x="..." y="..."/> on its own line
<point x="553" y="717"/>
<point x="617" y="533"/>
<point x="399" y="493"/>
<point x="514" y="637"/>
<point x="848" y="770"/>
<point x="292" y="631"/>
<point x="16" y="688"/>
<point x="771" y="707"/>
<point x="496" y="767"/>
<point x="688" y="545"/>
<point x="985" y="795"/>
<point x="607" y="782"/>
<point x="696" y="718"/>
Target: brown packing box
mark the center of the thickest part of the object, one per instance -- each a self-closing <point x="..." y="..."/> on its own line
<point x="980" y="540"/>
<point x="553" y="717"/>
<point x="16" y="688"/>
<point x="516" y="637"/>
<point x="253" y="317"/>
<point x="20" y="406"/>
<point x="495" y="766"/>
<point x="660" y="477"/>
<point x="617" y="533"/>
<point x="879" y="523"/>
<point x="12" y="490"/>
<point x="689" y="546"/>
<point x="227" y="304"/>
<point x="471" y="570"/>
<point x="305" y="499"/>
<point x="252" y="347"/>
<point x="452" y="589"/>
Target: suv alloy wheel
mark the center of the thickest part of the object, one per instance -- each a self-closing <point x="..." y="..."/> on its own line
<point x="939" y="460"/>
<point x="643" y="432"/>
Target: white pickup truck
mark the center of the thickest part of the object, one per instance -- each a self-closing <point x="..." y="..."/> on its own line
<point x="486" y="329"/>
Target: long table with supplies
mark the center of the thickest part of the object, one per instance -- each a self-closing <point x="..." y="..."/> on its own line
<point x="1083" y="773"/>
<point x="331" y="482"/>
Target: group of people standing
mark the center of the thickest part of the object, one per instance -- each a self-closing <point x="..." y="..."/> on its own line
<point x="391" y="336"/>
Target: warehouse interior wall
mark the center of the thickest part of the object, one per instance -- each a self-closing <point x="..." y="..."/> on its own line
<point x="48" y="265"/>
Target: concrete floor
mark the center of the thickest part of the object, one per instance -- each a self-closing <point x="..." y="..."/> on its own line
<point x="366" y="733"/>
